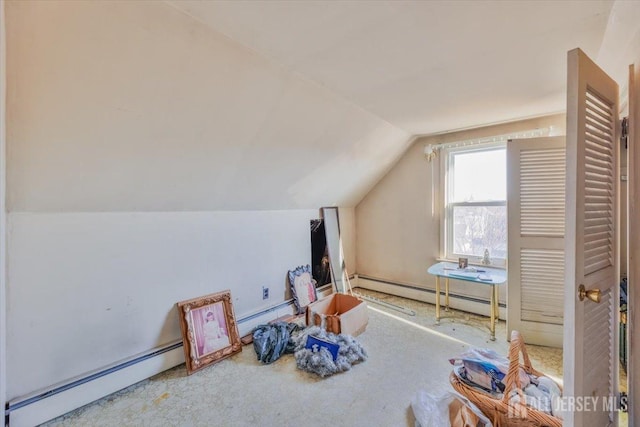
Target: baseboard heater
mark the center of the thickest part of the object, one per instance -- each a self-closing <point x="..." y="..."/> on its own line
<point x="47" y="404"/>
<point x="412" y="291"/>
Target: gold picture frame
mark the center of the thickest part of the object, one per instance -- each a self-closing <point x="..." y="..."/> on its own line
<point x="209" y="330"/>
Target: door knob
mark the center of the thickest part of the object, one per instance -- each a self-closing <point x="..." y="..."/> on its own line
<point x="592" y="294"/>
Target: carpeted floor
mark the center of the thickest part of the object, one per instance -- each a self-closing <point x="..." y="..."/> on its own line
<point x="406" y="354"/>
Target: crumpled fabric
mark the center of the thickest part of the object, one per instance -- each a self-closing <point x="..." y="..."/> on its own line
<point x="273" y="340"/>
<point x="321" y="362"/>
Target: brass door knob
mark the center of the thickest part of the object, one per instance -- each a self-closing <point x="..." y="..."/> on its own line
<point x="592" y="294"/>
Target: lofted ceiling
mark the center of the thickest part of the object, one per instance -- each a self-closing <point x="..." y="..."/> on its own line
<point x="423" y="66"/>
<point x="242" y="105"/>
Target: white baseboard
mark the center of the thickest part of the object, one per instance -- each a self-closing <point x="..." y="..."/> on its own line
<point x="53" y="406"/>
<point x="458" y="302"/>
<point x="46" y="404"/>
<point x="246" y="324"/>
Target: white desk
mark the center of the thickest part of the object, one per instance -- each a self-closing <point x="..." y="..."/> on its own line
<point x="492" y="277"/>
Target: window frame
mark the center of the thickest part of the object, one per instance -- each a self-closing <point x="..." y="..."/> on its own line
<point x="447" y="160"/>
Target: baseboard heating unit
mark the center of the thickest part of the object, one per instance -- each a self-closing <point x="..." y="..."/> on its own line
<point x="457" y="301"/>
<point x="46" y="404"/>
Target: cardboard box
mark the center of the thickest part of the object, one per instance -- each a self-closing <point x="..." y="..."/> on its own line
<point x="339" y="314"/>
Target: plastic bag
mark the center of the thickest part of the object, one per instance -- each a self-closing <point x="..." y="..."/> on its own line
<point x="272" y="341"/>
<point x="446" y="410"/>
<point x="487" y="369"/>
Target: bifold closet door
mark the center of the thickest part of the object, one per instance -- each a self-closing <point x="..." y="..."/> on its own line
<point x="592" y="268"/>
<point x="535" y="207"/>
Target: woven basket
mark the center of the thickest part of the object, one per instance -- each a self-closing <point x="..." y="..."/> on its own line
<point x="499" y="411"/>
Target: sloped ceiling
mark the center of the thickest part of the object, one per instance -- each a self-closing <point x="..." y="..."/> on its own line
<point x="423" y="66"/>
<point x="428" y="67"/>
<point x="207" y="105"/>
<point x="135" y="106"/>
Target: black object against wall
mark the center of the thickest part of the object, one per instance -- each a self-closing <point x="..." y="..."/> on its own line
<point x="319" y="253"/>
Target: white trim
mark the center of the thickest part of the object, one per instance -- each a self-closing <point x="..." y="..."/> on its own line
<point x="98" y="384"/>
<point x="3" y="208"/>
<point x="446" y="180"/>
<point x="633" y="246"/>
<point x="428" y="295"/>
<point x="61" y="403"/>
<point x="490" y="140"/>
<point x="473" y="263"/>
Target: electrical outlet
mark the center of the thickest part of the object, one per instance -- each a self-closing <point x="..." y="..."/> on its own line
<point x="265" y="293"/>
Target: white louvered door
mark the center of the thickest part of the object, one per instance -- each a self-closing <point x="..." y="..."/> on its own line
<point x="591" y="242"/>
<point x="535" y="208"/>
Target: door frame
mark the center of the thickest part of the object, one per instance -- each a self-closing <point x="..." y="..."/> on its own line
<point x="3" y="208"/>
<point x="633" y="240"/>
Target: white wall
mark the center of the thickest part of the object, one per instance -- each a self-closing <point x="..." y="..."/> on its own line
<point x="397" y="237"/>
<point x="89" y="289"/>
<point x="134" y="106"/>
<point x="151" y="160"/>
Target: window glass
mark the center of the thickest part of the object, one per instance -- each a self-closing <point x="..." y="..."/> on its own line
<point x="476" y="228"/>
<point x="479" y="176"/>
<point x="476" y="211"/>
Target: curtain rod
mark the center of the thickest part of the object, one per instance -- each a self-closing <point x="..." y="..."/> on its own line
<point x="431" y="149"/>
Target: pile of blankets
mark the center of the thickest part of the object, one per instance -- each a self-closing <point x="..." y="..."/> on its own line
<point x="336" y="353"/>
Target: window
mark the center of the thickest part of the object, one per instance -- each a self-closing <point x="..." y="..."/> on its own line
<point x="475" y="203"/>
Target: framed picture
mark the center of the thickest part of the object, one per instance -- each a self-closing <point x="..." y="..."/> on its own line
<point x="209" y="330"/>
<point x="303" y="288"/>
<point x="463" y="263"/>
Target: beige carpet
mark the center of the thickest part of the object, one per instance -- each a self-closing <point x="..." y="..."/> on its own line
<point x="406" y="353"/>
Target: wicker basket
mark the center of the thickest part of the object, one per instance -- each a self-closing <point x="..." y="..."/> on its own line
<point x="499" y="411"/>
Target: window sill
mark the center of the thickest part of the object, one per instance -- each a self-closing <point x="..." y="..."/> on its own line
<point x="502" y="266"/>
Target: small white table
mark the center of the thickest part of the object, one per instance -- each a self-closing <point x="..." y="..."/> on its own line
<point x="483" y="275"/>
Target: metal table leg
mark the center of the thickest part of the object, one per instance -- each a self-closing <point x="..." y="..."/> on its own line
<point x="494" y="311"/>
<point x="446" y="294"/>
<point x="437" y="299"/>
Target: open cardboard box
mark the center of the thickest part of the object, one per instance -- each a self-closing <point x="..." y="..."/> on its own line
<point x="342" y="313"/>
